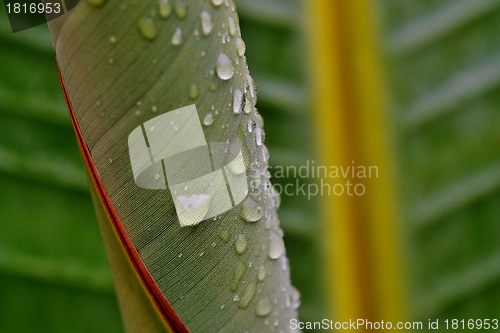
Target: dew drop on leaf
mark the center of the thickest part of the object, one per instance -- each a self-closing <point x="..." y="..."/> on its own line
<point x="224" y="235"/>
<point x="241" y="244"/>
<point x="262" y="272"/>
<point x="112" y="39"/>
<point x="251" y="125"/>
<point x="265" y="153"/>
<point x="240" y="47"/>
<point x="232" y="26"/>
<point x="252" y="86"/>
<point x="206" y="23"/>
<point x="260" y="121"/>
<point x="237" y="166"/>
<point x="208" y="120"/>
<point x="264" y="307"/>
<point x="238" y="274"/>
<point x="147" y="28"/>
<point x="251" y="210"/>
<point x="248" y="106"/>
<point x="294" y="297"/>
<point x="247" y="295"/>
<point x="180" y="9"/>
<point x="177" y="37"/>
<point x="224" y="67"/>
<point x="259" y="136"/>
<point x="237" y="101"/>
<point x="164" y="8"/>
<point x="194" y="92"/>
<point x="216" y="3"/>
<point x="276" y="246"/>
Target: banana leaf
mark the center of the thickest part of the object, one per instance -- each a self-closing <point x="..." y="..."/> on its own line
<point x="164" y="110"/>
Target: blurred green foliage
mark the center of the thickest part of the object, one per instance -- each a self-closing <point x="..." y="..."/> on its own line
<point x="443" y="59"/>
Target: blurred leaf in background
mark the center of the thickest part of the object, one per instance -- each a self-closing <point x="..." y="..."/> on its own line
<point x="443" y="59"/>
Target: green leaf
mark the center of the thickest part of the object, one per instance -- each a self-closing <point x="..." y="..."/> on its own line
<point x="123" y="65"/>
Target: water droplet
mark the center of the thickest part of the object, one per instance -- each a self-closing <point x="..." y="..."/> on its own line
<point x="260" y="136"/>
<point x="96" y="3"/>
<point x="265" y="153"/>
<point x="202" y="253"/>
<point x="206" y="23"/>
<point x="203" y="53"/>
<point x="216" y="3"/>
<point x="194" y="207"/>
<point x="276" y="322"/>
<point x="240" y="244"/>
<point x="164" y="8"/>
<point x="237" y="101"/>
<point x="264" y="307"/>
<point x="260" y="121"/>
<point x="194" y="92"/>
<point x="154" y="108"/>
<point x="237" y="166"/>
<point x="97" y="103"/>
<point x="147" y="28"/>
<point x="208" y="120"/>
<point x="224" y="67"/>
<point x="222" y="306"/>
<point x="180" y="10"/>
<point x="240" y="47"/>
<point x="294" y="298"/>
<point x="247" y="296"/>
<point x="251" y="210"/>
<point x="111" y="61"/>
<point x="262" y="272"/>
<point x="251" y="125"/>
<point x="236" y="298"/>
<point x="276" y="246"/>
<point x="214" y="86"/>
<point x="284" y="263"/>
<point x="224" y="235"/>
<point x="238" y="274"/>
<point x="177" y="37"/>
<point x="232" y="26"/>
<point x="112" y="39"/>
<point x="252" y="86"/>
<point x="248" y="106"/>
